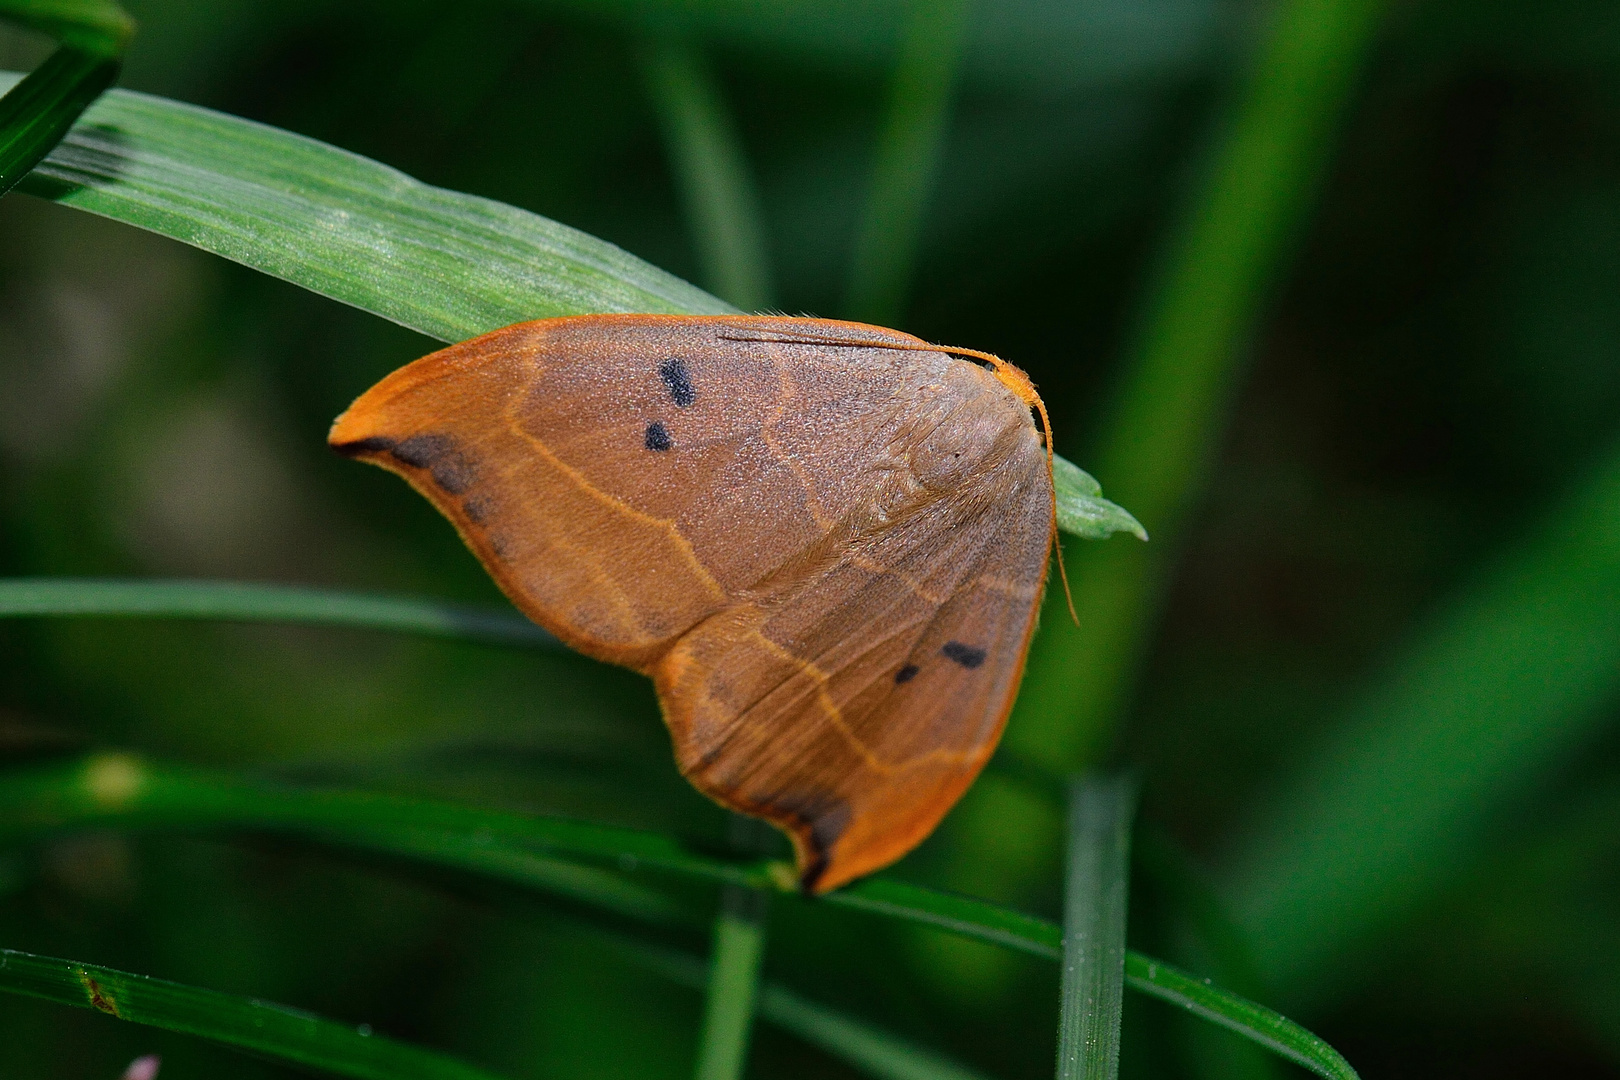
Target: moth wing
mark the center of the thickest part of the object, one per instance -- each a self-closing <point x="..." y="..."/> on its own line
<point x="853" y="707"/>
<point x="734" y="507"/>
<point x="622" y="477"/>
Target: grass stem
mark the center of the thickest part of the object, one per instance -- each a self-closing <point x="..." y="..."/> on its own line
<point x="1094" y="904"/>
<point x="728" y="1015"/>
<point x="233" y="601"/>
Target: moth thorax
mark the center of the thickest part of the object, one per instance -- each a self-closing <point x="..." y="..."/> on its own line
<point x="1016" y="381"/>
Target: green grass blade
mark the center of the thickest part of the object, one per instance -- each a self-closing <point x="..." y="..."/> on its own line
<point x="37" y="112"/>
<point x="870" y="1049"/>
<point x="244" y="602"/>
<point x="1094" y="907"/>
<point x="1044" y="48"/>
<point x="728" y="1015"/>
<point x="963" y="915"/>
<point x="1502" y="686"/>
<point x="231" y="601"/>
<point x="98" y="27"/>
<point x="992" y="923"/>
<point x="1201" y="911"/>
<point x="712" y="173"/>
<point x="273" y="1030"/>
<point x="122" y="790"/>
<point x="448" y="265"/>
<point x="119" y="791"/>
<point x="1271" y="1030"/>
<point x="1161" y="433"/>
<point x="908" y="154"/>
<point x="512" y="863"/>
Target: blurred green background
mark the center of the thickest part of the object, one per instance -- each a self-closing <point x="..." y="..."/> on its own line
<point x="1371" y="709"/>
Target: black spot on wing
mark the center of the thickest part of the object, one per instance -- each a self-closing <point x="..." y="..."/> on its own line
<point x="966" y="655"/>
<point x="477" y="509"/>
<point x="422" y="451"/>
<point x="679" y="380"/>
<point x="907" y="673"/>
<point x="450" y="468"/>
<point x="658" y="437"/>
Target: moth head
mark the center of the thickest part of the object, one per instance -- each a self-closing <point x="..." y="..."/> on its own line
<point x="1016" y="381"/>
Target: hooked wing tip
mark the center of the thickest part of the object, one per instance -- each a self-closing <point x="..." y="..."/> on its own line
<point x="354" y="448"/>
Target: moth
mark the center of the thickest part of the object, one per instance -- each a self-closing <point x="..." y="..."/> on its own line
<point x="825" y="542"/>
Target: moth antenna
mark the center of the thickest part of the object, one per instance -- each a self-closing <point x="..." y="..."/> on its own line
<point x="1051" y="476"/>
<point x="1011" y="377"/>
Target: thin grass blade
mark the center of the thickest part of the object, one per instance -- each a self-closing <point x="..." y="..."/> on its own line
<point x="36" y="113"/>
<point x="1094" y="907"/>
<point x="250" y="602"/>
<point x="735" y="962"/>
<point x="275" y="1031"/>
<point x="712" y="173"/>
<point x="1183" y="365"/>
<point x="908" y="155"/>
<point x="512" y="863"/>
<point x="111" y="789"/>
<point x="870" y="1049"/>
<point x="963" y="915"/>
<point x="728" y="1016"/>
<point x="1269" y="1029"/>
